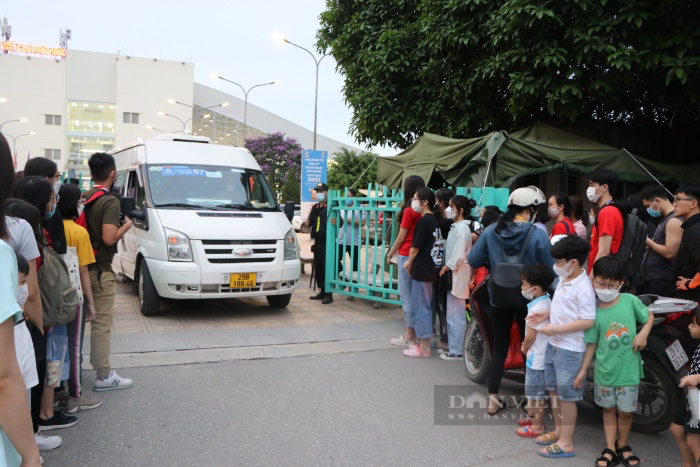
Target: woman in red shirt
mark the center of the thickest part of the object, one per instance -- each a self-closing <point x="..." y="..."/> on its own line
<point x="408" y="219"/>
<point x="560" y="211"/>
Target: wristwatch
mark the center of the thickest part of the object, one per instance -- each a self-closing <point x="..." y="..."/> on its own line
<point x="687" y="284"/>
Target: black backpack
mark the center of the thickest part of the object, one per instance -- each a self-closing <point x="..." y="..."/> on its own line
<point x="631" y="252"/>
<point x="506" y="276"/>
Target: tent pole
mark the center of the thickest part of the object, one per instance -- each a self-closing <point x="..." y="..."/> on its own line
<point x="645" y="169"/>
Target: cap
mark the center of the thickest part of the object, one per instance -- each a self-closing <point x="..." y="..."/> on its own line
<point x="321" y="187"/>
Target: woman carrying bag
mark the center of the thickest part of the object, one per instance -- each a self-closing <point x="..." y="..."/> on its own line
<point x="459" y="243"/>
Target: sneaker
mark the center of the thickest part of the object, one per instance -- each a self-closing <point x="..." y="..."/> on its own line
<point x="113" y="381"/>
<point x="83" y="402"/>
<point x="401" y="341"/>
<point x="450" y="357"/>
<point x="47" y="443"/>
<point x="57" y="422"/>
<point x="442" y="351"/>
<point x="60" y="398"/>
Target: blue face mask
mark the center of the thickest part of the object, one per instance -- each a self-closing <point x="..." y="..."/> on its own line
<point x="652" y="212"/>
<point x="48" y="215"/>
<point x="349" y="202"/>
<point x="320" y="196"/>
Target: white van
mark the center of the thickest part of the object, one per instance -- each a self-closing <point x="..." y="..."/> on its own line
<point x="206" y="224"/>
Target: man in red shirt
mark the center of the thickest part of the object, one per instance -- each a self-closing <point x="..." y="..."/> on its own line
<point x="609" y="226"/>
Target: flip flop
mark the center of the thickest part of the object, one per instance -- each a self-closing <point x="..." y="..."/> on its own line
<point x="547" y="439"/>
<point x="555" y="452"/>
<point x="414" y="352"/>
<point x="525" y="421"/>
<point x="528" y="432"/>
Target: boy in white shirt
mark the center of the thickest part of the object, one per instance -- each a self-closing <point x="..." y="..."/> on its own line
<point x="536" y="279"/>
<point x="573" y="310"/>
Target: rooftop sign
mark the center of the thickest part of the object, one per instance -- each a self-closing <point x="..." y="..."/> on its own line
<point x="16" y="47"/>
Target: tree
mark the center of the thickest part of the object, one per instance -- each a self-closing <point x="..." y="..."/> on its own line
<point x="291" y="190"/>
<point x="349" y="166"/>
<point x="278" y="157"/>
<point x="622" y="72"/>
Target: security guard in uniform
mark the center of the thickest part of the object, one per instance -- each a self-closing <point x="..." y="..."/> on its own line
<point x="318" y="217"/>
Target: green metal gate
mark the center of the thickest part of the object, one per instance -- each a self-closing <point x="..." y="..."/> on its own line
<point x="374" y="277"/>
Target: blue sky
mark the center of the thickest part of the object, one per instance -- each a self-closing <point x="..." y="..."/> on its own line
<point x="232" y="38"/>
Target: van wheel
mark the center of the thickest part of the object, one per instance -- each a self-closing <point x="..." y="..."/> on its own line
<point x="279" y="301"/>
<point x="149" y="300"/>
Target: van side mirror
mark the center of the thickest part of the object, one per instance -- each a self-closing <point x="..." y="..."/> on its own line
<point x="128" y="207"/>
<point x="289" y="210"/>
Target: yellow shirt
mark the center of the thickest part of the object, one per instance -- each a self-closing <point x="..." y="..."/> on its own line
<point x="78" y="237"/>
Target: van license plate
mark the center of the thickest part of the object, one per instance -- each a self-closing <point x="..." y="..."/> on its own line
<point x="677" y="355"/>
<point x="243" y="281"/>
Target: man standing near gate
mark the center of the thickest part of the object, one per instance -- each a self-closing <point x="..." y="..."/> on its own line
<point x="317" y="222"/>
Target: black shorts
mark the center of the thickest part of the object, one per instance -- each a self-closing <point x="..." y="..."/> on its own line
<point x="682" y="416"/>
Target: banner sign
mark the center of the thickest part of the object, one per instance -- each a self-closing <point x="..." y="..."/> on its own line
<point x="16" y="47"/>
<point x="314" y="170"/>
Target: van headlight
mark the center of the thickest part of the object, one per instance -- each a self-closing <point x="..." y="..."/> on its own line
<point x="178" y="246"/>
<point x="291" y="245"/>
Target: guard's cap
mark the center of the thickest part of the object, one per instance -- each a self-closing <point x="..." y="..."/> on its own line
<point x="321" y="187"/>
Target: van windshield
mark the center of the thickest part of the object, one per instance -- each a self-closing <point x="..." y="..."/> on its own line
<point x="209" y="186"/>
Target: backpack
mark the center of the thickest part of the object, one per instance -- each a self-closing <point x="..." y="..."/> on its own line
<point x="631" y="252"/>
<point x="82" y="219"/>
<point x="59" y="299"/>
<point x="506" y="275"/>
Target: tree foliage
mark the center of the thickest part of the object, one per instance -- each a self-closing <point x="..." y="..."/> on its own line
<point x="464" y="67"/>
<point x="348" y="166"/>
<point x="278" y="157"/>
<point x="291" y="190"/>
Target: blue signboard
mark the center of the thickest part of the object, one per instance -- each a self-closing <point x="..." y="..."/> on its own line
<point x="314" y="170"/>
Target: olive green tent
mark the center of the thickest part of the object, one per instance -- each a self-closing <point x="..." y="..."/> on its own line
<point x="499" y="158"/>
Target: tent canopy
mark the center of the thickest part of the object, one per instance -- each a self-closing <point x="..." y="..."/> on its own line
<point x="499" y="158"/>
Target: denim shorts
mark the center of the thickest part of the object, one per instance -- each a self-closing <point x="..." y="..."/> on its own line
<point x="560" y="369"/>
<point x="534" y="385"/>
<point x="624" y="398"/>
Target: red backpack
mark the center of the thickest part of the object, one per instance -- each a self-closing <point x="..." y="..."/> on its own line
<point x="82" y="220"/>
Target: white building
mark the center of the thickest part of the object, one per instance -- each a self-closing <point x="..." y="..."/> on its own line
<point x="90" y="102"/>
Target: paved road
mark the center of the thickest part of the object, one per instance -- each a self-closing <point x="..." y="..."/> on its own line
<point x="356" y="408"/>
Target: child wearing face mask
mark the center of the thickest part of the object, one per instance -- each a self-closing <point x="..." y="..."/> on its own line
<point x="536" y="279"/>
<point x="572" y="312"/>
<point x="23" y="340"/>
<point x="615" y="342"/>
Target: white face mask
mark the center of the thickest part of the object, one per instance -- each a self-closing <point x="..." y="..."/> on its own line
<point x="449" y="213"/>
<point x="554" y="212"/>
<point x="606" y="295"/>
<point x="57" y="186"/>
<point x="563" y="271"/>
<point x="528" y="294"/>
<point x="415" y="205"/>
<point x="22" y="294"/>
<point x="591" y="194"/>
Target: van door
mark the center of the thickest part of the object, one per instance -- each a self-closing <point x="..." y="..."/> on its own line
<point x="118" y="190"/>
<point x="136" y="235"/>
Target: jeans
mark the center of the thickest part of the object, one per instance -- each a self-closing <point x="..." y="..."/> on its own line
<point x="405" y="283"/>
<point x="501" y="324"/>
<point x="560" y="369"/>
<point x="456" y="323"/>
<point x="421" y="309"/>
<point x="76" y="332"/>
<point x="101" y="326"/>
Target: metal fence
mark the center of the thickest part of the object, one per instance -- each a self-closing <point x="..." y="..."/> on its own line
<point x="356" y="262"/>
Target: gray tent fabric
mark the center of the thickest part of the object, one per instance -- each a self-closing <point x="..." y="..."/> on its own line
<point x="499" y="158"/>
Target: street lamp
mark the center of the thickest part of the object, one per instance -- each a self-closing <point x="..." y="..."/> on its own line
<point x="245" y="93"/>
<point x="154" y="128"/>
<point x="21" y="120"/>
<point x="3" y="99"/>
<point x="15" y="138"/>
<point x="184" y="125"/>
<point x="281" y="39"/>
<point x="173" y="101"/>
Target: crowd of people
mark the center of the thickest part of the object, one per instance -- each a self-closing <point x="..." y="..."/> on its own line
<point x="569" y="295"/>
<point x="56" y="249"/>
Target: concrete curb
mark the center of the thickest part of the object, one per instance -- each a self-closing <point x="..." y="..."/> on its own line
<point x="185" y="357"/>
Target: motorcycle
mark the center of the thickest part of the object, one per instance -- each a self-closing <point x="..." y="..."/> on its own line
<point x="664" y="359"/>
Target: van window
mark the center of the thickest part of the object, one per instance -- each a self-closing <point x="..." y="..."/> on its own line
<point x="118" y="187"/>
<point x="135" y="190"/>
<point x="208" y="186"/>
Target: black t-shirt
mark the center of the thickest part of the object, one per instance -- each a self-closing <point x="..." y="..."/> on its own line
<point x="317" y="221"/>
<point x="430" y="258"/>
<point x="688" y="257"/>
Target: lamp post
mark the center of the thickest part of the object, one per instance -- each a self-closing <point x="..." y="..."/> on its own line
<point x="184" y="125"/>
<point x="245" y="93"/>
<point x="15" y="138"/>
<point x="283" y="39"/>
<point x="21" y="120"/>
<point x="150" y="127"/>
<point x="173" y="101"/>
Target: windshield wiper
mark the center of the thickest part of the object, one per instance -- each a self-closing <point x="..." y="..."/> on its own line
<point x="183" y="205"/>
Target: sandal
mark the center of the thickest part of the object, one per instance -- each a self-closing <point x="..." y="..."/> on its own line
<point x="525" y="421"/>
<point x="554" y="452"/>
<point x="414" y="352"/>
<point x="528" y="432"/>
<point x="547" y="438"/>
<point x="626" y="460"/>
<point x="609" y="461"/>
<point x="498" y="409"/>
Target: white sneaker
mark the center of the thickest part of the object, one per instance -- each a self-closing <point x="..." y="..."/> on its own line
<point x="401" y="341"/>
<point x="451" y="357"/>
<point x="113" y="381"/>
<point x="47" y="443"/>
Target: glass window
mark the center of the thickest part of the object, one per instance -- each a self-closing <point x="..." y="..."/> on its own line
<point x="119" y="183"/>
<point x="131" y="117"/>
<point x="207" y="186"/>
<point x="135" y="190"/>
<point x="57" y="120"/>
<point x="54" y="154"/>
